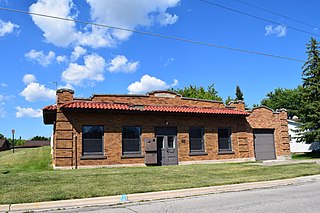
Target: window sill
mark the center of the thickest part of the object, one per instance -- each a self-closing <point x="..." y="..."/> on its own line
<point x="195" y="153"/>
<point x="92" y="157"/>
<point x="225" y="152"/>
<point x="138" y="155"/>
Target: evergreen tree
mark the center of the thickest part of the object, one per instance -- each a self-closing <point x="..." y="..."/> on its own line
<point x="239" y="94"/>
<point x="228" y="100"/>
<point x="310" y="113"/>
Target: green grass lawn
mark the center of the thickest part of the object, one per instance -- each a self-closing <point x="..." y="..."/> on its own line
<point x="305" y="156"/>
<point x="26" y="177"/>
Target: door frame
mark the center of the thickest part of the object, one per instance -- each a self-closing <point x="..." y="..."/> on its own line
<point x="165" y="138"/>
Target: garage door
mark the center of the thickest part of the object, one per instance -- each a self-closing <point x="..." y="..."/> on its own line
<point x="264" y="144"/>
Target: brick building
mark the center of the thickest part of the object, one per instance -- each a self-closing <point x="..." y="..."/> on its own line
<point x="161" y="128"/>
<point x="4" y="145"/>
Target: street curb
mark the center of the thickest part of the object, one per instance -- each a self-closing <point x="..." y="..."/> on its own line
<point x="149" y="196"/>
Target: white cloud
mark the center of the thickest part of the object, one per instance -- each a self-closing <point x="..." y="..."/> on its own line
<point x="120" y="63"/>
<point x="28" y="78"/>
<point x="168" y="19"/>
<point x="137" y="13"/>
<point x="148" y="83"/>
<point x="66" y="86"/>
<point x="3" y="85"/>
<point x="40" y="57"/>
<point x="61" y="59"/>
<point x="38" y="92"/>
<point x="95" y="37"/>
<point x="175" y="83"/>
<point x="28" y="112"/>
<point x="92" y="70"/>
<point x="3" y="100"/>
<point x="64" y="33"/>
<point x="77" y="52"/>
<point x="6" y="28"/>
<point x="279" y="30"/>
<point x="2" y="112"/>
<point x="60" y="33"/>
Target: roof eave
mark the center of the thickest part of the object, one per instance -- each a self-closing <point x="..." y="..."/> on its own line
<point x="49" y="116"/>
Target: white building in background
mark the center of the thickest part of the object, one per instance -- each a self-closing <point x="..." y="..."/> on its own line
<point x="293" y="126"/>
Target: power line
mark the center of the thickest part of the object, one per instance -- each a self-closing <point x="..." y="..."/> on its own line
<point x="257" y="17"/>
<point x="277" y="14"/>
<point x="153" y="34"/>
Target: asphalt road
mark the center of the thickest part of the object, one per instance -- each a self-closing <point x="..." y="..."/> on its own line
<point x="295" y="198"/>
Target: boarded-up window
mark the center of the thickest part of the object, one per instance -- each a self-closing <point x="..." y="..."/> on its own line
<point x="224" y="139"/>
<point x="131" y="139"/>
<point x="92" y="140"/>
<point x="196" y="139"/>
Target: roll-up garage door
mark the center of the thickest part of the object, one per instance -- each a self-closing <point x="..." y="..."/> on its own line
<point x="264" y="144"/>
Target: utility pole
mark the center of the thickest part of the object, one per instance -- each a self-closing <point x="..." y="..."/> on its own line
<point x="13" y="131"/>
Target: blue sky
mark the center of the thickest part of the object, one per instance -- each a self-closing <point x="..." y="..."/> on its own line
<point x="37" y="51"/>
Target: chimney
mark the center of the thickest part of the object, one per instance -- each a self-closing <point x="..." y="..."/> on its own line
<point x="239" y="105"/>
<point x="64" y="96"/>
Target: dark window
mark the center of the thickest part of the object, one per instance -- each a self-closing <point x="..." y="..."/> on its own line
<point x="171" y="141"/>
<point x="131" y="140"/>
<point x="224" y="140"/>
<point x="196" y="139"/>
<point x="92" y="140"/>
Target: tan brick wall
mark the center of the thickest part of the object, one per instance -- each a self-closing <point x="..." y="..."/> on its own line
<point x="239" y="105"/>
<point x="113" y="124"/>
<point x="264" y="118"/>
<point x="63" y="153"/>
<point x="152" y="100"/>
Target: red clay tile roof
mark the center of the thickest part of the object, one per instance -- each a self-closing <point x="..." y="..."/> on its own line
<point x="50" y="107"/>
<point x="205" y="110"/>
<point x="149" y="108"/>
<point x="95" y="105"/>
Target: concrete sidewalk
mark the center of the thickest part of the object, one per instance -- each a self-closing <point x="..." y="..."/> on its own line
<point x="286" y="162"/>
<point x="140" y="197"/>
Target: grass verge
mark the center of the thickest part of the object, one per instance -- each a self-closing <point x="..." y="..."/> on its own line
<point x="305" y="156"/>
<point x="25" y="182"/>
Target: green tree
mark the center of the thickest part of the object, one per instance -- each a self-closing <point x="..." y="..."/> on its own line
<point x="228" y="100"/>
<point x="289" y="99"/>
<point x="198" y="92"/>
<point x="19" y="142"/>
<point x="239" y="94"/>
<point x="254" y="105"/>
<point x="2" y="136"/>
<point x="310" y="113"/>
<point x="39" y="138"/>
